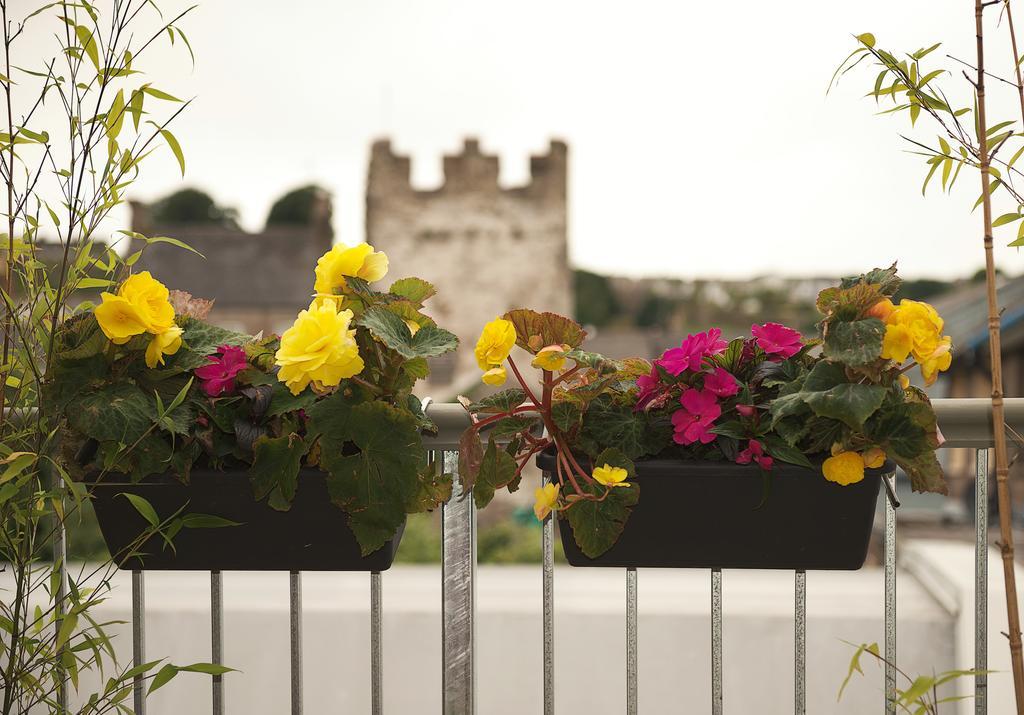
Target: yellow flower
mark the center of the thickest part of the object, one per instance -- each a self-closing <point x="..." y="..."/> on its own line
<point x="873" y="458"/>
<point x="151" y="299"/>
<point x="318" y="348"/>
<point x="904" y="381"/>
<point x="897" y="343"/>
<point x="550" y="358"/>
<point x="341" y="261"/>
<point x="611" y="476"/>
<point x="495" y="343"/>
<point x="495" y="376"/>
<point x="939" y="360"/>
<point x="545" y="499"/>
<point x="141" y="305"/>
<point x="165" y="343"/>
<point x="119" y="320"/>
<point x="844" y="468"/>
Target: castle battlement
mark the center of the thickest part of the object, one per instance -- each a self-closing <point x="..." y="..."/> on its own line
<point x="469" y="172"/>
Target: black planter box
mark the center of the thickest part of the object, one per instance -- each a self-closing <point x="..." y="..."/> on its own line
<point x="705" y="515"/>
<point x="312" y="536"/>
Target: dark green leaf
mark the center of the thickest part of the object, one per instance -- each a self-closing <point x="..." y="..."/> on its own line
<point x="596" y="526"/>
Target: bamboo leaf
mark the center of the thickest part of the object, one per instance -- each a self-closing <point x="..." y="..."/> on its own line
<point x="1006" y="218"/>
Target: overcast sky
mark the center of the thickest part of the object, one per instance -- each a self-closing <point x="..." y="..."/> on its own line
<point x="702" y="142"/>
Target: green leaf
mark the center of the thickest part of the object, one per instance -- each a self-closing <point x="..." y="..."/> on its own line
<point x="850" y="403"/>
<point x="866" y="39"/>
<point x="207" y="668"/>
<point x="858" y="342"/>
<point x="144" y="508"/>
<point x="88" y="43"/>
<point x="503" y="401"/>
<point x="283" y="401"/>
<point x="275" y="469"/>
<point x="633" y="432"/>
<point x="163" y="677"/>
<point x="206" y="521"/>
<point x="497" y="469"/>
<point x="175" y="147"/>
<point x="115" y="115"/>
<point x="782" y="450"/>
<point x="566" y="415"/>
<point x="390" y="329"/>
<point x="375" y="485"/>
<point x="1005" y="219"/>
<point x="596" y="526"/>
<point x="538" y="330"/>
<point x="118" y="412"/>
<point x="204" y="338"/>
<point x="511" y="426"/>
<point x="68" y="624"/>
<point x="416" y="290"/>
<point x="434" y="490"/>
<point x="159" y="94"/>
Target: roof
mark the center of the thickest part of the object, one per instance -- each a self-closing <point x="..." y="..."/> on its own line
<point x="965" y="311"/>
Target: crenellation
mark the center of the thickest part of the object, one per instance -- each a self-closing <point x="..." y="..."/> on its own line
<point x="388" y="172"/>
<point x="456" y="235"/>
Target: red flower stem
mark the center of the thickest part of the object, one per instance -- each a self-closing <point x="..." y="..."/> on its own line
<point x="504" y="415"/>
<point x="568" y="473"/>
<point x="569" y="456"/>
<point x="519" y="376"/>
<point x="522" y="465"/>
<point x="565" y="375"/>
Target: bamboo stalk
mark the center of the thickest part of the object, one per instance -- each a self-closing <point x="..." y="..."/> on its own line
<point x="998" y="419"/>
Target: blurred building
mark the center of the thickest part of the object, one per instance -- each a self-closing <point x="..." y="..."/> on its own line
<point x="488" y="249"/>
<point x="259" y="281"/>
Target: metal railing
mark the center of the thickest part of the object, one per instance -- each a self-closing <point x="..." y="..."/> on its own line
<point x="966" y="423"/>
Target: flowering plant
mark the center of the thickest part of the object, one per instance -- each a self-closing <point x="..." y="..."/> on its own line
<point x="146" y="385"/>
<point x="838" y="403"/>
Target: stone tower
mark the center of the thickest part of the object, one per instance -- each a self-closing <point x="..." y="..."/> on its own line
<point x="487" y="249"/>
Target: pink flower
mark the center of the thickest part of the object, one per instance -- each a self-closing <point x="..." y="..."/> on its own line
<point x="755" y="452"/>
<point x="746" y="410"/>
<point x="218" y="377"/>
<point x="721" y="382"/>
<point x="777" y="340"/>
<point x="700" y="410"/>
<point x="690" y="355"/>
<point x="650" y="385"/>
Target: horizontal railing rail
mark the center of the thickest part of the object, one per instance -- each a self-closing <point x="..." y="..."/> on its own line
<point x="965" y="423"/>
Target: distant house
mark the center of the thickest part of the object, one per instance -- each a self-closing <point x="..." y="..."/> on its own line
<point x="259" y="281"/>
<point x="965" y="310"/>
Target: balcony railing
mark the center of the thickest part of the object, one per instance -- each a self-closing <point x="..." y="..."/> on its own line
<point x="965" y="423"/>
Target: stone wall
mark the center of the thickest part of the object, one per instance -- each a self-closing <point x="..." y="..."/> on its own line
<point x="487" y="249"/>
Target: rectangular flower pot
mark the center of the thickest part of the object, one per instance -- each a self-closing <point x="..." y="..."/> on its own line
<point x="705" y="515"/>
<point x="312" y="536"/>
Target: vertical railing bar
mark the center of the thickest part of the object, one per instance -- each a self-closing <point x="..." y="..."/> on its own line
<point x="631" y="642"/>
<point x="60" y="555"/>
<point x="376" y="646"/>
<point x="548" y="548"/>
<point x="458" y="596"/>
<point x="981" y="582"/>
<point x="139" y="638"/>
<point x="890" y="599"/>
<point x="217" y="639"/>
<point x="716" y="642"/>
<point x="295" y="612"/>
<point x="800" y="644"/>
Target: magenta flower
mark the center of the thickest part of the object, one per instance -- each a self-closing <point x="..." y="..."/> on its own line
<point x="746" y="410"/>
<point x="651" y="388"/>
<point x="777" y="340"/>
<point x="690" y="355"/>
<point x="700" y="410"/>
<point x="755" y="453"/>
<point x="721" y="382"/>
<point x="218" y="377"/>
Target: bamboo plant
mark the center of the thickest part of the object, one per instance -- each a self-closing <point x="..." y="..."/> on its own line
<point x="966" y="137"/>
